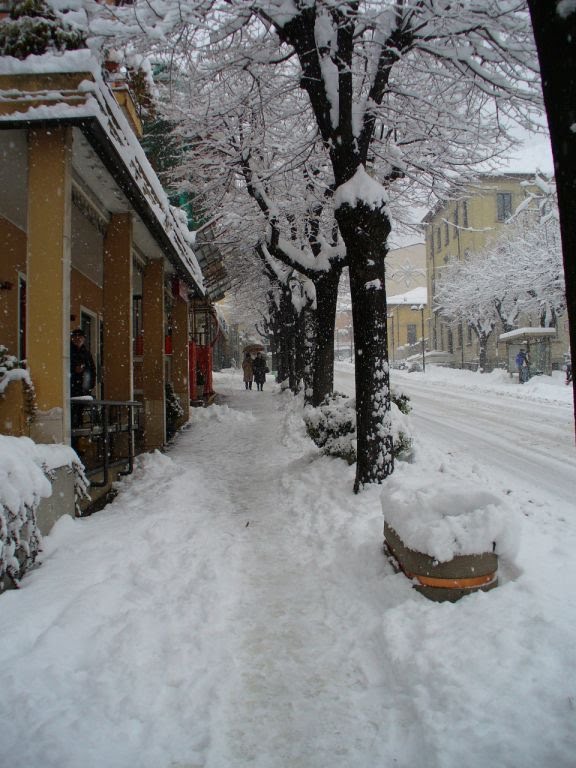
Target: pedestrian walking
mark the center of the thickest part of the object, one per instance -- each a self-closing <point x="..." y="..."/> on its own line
<point x="247" y="367"/>
<point x="260" y="370"/>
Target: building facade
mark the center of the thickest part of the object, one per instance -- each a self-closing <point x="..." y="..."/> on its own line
<point x="462" y="225"/>
<point x="88" y="239"/>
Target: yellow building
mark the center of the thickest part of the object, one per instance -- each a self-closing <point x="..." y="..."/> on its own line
<point x="465" y="224"/>
<point x="408" y="327"/>
<point x="88" y="239"/>
<point x="405" y="272"/>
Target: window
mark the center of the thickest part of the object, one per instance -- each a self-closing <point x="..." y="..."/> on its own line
<point x="438" y="239"/>
<point x="446" y="233"/>
<point x="460" y="336"/>
<point x="432" y="245"/>
<point x="450" y="341"/>
<point x="464" y="213"/>
<point x="411" y="333"/>
<point x="456" y="221"/>
<point x="469" y="340"/>
<point x="503" y="205"/>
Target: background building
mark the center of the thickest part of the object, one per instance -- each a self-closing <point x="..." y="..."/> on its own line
<point x="463" y="225"/>
<point x="405" y="286"/>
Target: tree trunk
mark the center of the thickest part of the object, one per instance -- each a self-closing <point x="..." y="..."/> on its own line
<point x="482" y="348"/>
<point x="555" y="34"/>
<point x="301" y="359"/>
<point x="283" y="327"/>
<point x="364" y="231"/>
<point x="310" y="333"/>
<point x="326" y="300"/>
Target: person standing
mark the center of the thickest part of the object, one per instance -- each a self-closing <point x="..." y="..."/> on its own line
<point x="82" y="368"/>
<point x="259" y="367"/>
<point x="522" y="363"/>
<point x="248" y="370"/>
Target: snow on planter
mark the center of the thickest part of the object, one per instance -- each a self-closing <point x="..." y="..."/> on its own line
<point x="446" y="533"/>
<point x="25" y="471"/>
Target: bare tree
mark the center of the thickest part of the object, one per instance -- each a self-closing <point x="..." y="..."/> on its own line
<point x="399" y="90"/>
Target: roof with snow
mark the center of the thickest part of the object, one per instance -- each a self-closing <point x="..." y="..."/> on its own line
<point x="69" y="88"/>
<point x="416" y="296"/>
<point x="528" y="332"/>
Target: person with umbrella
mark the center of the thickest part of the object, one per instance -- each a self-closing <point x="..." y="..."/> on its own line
<point x="248" y="370"/>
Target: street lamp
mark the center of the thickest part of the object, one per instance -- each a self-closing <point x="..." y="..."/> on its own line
<point x="421" y="310"/>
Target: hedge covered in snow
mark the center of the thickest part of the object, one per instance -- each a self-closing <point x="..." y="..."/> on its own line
<point x="26" y="469"/>
<point x="332" y="426"/>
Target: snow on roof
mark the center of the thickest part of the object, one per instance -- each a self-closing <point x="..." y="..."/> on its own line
<point x="529" y="331"/>
<point x="416" y="296"/>
<point x="97" y="102"/>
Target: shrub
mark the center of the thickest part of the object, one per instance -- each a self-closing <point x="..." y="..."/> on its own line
<point x="174" y="411"/>
<point x="33" y="28"/>
<point x="332" y="426"/>
<point x="11" y="371"/>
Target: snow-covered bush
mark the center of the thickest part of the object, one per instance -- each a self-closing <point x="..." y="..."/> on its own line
<point x="26" y="470"/>
<point x="10" y="372"/>
<point x="22" y="485"/>
<point x="33" y="28"/>
<point x="332" y="426"/>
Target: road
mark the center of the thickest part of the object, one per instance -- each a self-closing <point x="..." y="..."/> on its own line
<point x="521" y="442"/>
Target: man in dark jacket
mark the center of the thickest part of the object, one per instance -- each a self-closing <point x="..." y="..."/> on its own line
<point x="82" y="368"/>
<point x="259" y="367"/>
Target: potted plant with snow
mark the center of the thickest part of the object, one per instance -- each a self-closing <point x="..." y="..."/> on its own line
<point x="445" y="533"/>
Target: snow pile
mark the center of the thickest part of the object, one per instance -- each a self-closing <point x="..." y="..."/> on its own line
<point x="445" y="516"/>
<point x="549" y="388"/>
<point x="233" y="608"/>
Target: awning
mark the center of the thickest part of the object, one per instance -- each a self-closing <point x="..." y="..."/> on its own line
<point x="529" y="332"/>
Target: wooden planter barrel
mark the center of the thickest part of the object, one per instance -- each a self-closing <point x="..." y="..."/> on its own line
<point x="447" y="581"/>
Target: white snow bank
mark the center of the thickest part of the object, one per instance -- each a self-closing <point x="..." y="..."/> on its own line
<point x="541" y="388"/>
<point x="221" y="413"/>
<point x="445" y="516"/>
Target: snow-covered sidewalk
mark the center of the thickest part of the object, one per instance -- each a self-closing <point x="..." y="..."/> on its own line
<point x="233" y="608"/>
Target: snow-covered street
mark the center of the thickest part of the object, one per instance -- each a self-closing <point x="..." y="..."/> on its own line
<point x="233" y="606"/>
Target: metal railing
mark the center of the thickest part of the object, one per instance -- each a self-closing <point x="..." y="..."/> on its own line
<point x="104" y="435"/>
